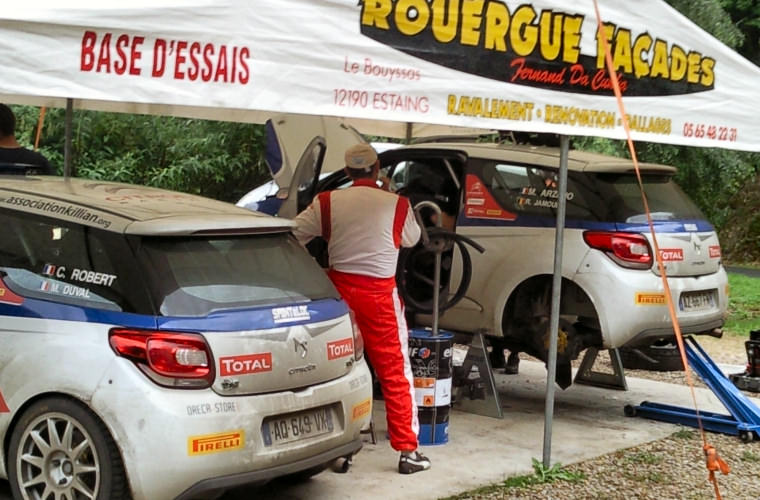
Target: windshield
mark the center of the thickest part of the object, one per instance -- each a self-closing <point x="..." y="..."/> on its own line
<point x="194" y="276"/>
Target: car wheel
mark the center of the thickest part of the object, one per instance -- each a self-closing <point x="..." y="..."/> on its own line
<point x="59" y="449"/>
<point x="659" y="358"/>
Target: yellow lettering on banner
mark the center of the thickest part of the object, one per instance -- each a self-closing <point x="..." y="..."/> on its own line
<point x="412" y="16"/>
<point x="621" y="56"/>
<point x="376" y="13"/>
<point x="548" y="35"/>
<point x="471" y="21"/>
<point x="445" y="23"/>
<point x="497" y="24"/>
<point x="489" y="108"/>
<point x="640" y="53"/>
<point x="571" y="43"/>
<point x="551" y="35"/>
<point x="660" y="60"/>
<point x="578" y="117"/>
<point x="678" y="64"/>
<point x="708" y="74"/>
<point x="523" y="35"/>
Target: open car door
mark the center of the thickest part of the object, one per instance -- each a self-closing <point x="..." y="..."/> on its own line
<point x="321" y="141"/>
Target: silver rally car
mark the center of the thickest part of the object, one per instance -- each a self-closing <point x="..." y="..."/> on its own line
<point x="160" y="345"/>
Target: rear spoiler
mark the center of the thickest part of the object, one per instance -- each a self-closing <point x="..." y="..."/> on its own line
<point x="21" y="169"/>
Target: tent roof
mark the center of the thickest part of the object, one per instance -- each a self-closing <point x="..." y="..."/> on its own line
<point x="502" y="65"/>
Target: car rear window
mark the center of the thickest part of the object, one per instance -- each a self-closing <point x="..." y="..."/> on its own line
<point x="195" y="276"/>
<point x="594" y="196"/>
<point x="665" y="198"/>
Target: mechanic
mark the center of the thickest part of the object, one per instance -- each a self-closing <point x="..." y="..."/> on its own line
<point x="364" y="226"/>
<point x="11" y="152"/>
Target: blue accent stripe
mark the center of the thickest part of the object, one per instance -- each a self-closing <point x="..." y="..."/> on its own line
<point x="43" y="309"/>
<point x="254" y="319"/>
<point x="678" y="226"/>
<point x="239" y="319"/>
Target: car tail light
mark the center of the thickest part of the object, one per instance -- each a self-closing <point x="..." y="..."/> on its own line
<point x="170" y="359"/>
<point x="358" y="340"/>
<point x="629" y="250"/>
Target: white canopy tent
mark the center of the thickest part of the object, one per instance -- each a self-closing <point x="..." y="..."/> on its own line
<point x="383" y="64"/>
<point x="396" y="68"/>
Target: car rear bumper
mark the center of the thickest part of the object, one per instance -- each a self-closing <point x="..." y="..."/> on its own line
<point x="219" y="484"/>
<point x="157" y="431"/>
<point x="632" y="307"/>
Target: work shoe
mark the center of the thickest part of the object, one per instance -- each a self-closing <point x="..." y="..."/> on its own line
<point x="409" y="463"/>
<point x="513" y="364"/>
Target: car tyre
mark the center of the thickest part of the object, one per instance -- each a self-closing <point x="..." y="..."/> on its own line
<point x="70" y="451"/>
<point x="658" y="358"/>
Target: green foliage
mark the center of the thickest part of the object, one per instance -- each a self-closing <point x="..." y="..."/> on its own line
<point x="746" y="16"/>
<point x="684" y="434"/>
<point x="221" y="160"/>
<point x="748" y="456"/>
<point x="643" y="457"/>
<point x="743" y="305"/>
<point x="554" y="473"/>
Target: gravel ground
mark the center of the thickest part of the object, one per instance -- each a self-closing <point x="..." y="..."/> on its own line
<point x="668" y="469"/>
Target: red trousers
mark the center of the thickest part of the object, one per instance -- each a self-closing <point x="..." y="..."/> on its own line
<point x="380" y="316"/>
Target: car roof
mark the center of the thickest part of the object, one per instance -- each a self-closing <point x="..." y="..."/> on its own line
<point x="131" y="209"/>
<point x="581" y="161"/>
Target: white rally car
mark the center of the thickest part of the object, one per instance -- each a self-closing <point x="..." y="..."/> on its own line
<point x="159" y="345"/>
<point x="503" y="197"/>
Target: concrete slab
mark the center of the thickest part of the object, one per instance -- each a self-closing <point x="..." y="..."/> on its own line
<point x="588" y="422"/>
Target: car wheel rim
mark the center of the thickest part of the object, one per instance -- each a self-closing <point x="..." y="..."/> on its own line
<point x="57" y="460"/>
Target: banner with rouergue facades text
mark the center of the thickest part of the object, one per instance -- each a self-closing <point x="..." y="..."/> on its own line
<point x="384" y="64"/>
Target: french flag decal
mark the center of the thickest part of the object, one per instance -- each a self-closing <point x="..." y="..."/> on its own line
<point x="48" y="270"/>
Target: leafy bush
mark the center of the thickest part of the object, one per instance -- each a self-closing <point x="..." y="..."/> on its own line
<point x="221" y="160"/>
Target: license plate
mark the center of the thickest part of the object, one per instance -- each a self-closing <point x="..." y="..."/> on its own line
<point x="297" y="426"/>
<point x="697" y="301"/>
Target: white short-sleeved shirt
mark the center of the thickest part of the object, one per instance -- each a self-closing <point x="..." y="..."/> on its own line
<point x="364" y="227"/>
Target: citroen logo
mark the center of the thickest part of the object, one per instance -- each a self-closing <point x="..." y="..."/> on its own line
<point x="697" y="246"/>
<point x="303" y="345"/>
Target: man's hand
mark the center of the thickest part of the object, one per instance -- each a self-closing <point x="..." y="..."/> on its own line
<point x="385" y="183"/>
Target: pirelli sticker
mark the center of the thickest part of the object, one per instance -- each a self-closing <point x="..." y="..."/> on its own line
<point x="361" y="409"/>
<point x="215" y="443"/>
<point x="650" y="299"/>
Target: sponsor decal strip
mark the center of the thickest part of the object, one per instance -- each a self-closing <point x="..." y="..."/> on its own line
<point x="361" y="409"/>
<point x="649" y="299"/>
<point x="340" y="348"/>
<point x="215" y="443"/>
<point x="249" y="363"/>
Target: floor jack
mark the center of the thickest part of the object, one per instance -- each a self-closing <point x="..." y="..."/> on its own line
<point x="744" y="418"/>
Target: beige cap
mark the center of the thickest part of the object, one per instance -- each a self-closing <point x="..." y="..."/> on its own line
<point x="361" y="156"/>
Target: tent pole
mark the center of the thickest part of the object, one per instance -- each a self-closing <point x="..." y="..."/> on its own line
<point x="409" y="126"/>
<point x="67" y="140"/>
<point x="556" y="294"/>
